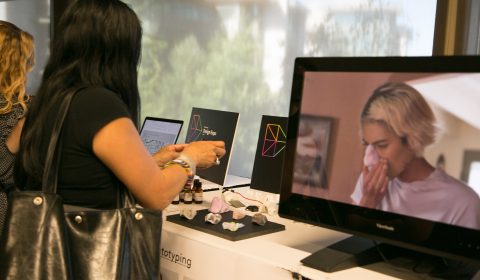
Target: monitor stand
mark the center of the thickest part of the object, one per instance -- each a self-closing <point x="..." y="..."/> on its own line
<point x="351" y="252"/>
<point x="357" y="251"/>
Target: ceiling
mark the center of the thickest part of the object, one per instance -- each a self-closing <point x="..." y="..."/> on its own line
<point x="458" y="94"/>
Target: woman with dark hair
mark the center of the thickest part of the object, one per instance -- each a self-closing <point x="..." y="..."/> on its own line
<point x="17" y="57"/>
<point x="96" y="53"/>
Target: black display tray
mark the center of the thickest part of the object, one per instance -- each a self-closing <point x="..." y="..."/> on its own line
<point x="249" y="230"/>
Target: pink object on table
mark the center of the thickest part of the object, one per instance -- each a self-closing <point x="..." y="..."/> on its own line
<point x="218" y="206"/>
<point x="238" y="215"/>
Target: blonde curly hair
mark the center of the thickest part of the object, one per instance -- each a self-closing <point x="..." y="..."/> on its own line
<point x="17" y="57"/>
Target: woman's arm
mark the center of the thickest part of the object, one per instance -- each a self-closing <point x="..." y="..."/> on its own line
<point x="119" y="146"/>
<point x="13" y="139"/>
<point x="168" y="153"/>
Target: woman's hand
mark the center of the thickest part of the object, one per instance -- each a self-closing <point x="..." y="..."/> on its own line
<point x="168" y="153"/>
<point x="205" y="153"/>
<point x="375" y="183"/>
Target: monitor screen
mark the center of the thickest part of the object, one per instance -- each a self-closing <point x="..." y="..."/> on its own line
<point x="159" y="132"/>
<point x="387" y="148"/>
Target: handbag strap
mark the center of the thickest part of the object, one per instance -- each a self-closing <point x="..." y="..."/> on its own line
<point x="125" y="198"/>
<point x="52" y="160"/>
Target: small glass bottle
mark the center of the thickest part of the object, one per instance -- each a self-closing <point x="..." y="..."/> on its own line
<point x="188" y="196"/>
<point x="197" y="191"/>
<point x="181" y="195"/>
<point x="176" y="199"/>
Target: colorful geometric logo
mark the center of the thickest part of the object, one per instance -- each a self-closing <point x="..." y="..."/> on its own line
<point x="275" y="140"/>
<point x="196" y="128"/>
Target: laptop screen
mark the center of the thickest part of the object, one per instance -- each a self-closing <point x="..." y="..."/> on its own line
<point x="159" y="132"/>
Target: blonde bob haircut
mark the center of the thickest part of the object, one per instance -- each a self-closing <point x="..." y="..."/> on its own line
<point x="403" y="110"/>
<point x="17" y="57"/>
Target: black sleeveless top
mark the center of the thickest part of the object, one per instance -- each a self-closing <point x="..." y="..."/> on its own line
<point x="83" y="179"/>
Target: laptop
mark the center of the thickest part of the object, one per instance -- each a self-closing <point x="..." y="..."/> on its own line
<point x="159" y="132"/>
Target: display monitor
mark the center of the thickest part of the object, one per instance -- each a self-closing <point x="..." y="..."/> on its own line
<point x="159" y="132"/>
<point x="386" y="149"/>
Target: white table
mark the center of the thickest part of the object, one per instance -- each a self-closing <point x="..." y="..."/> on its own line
<point x="192" y="254"/>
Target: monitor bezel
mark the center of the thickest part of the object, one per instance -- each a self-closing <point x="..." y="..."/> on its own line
<point x="443" y="239"/>
<point x="157" y="119"/>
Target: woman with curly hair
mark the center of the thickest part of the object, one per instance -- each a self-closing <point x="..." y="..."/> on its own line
<point x="17" y="58"/>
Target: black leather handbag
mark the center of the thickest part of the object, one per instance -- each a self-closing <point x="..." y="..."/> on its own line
<point x="44" y="239"/>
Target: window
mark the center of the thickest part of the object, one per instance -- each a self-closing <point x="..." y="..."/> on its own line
<point x="238" y="55"/>
<point x="33" y="17"/>
<point x="473" y="28"/>
<point x="474" y="176"/>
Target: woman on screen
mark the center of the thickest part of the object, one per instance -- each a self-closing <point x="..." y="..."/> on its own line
<point x="396" y="126"/>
